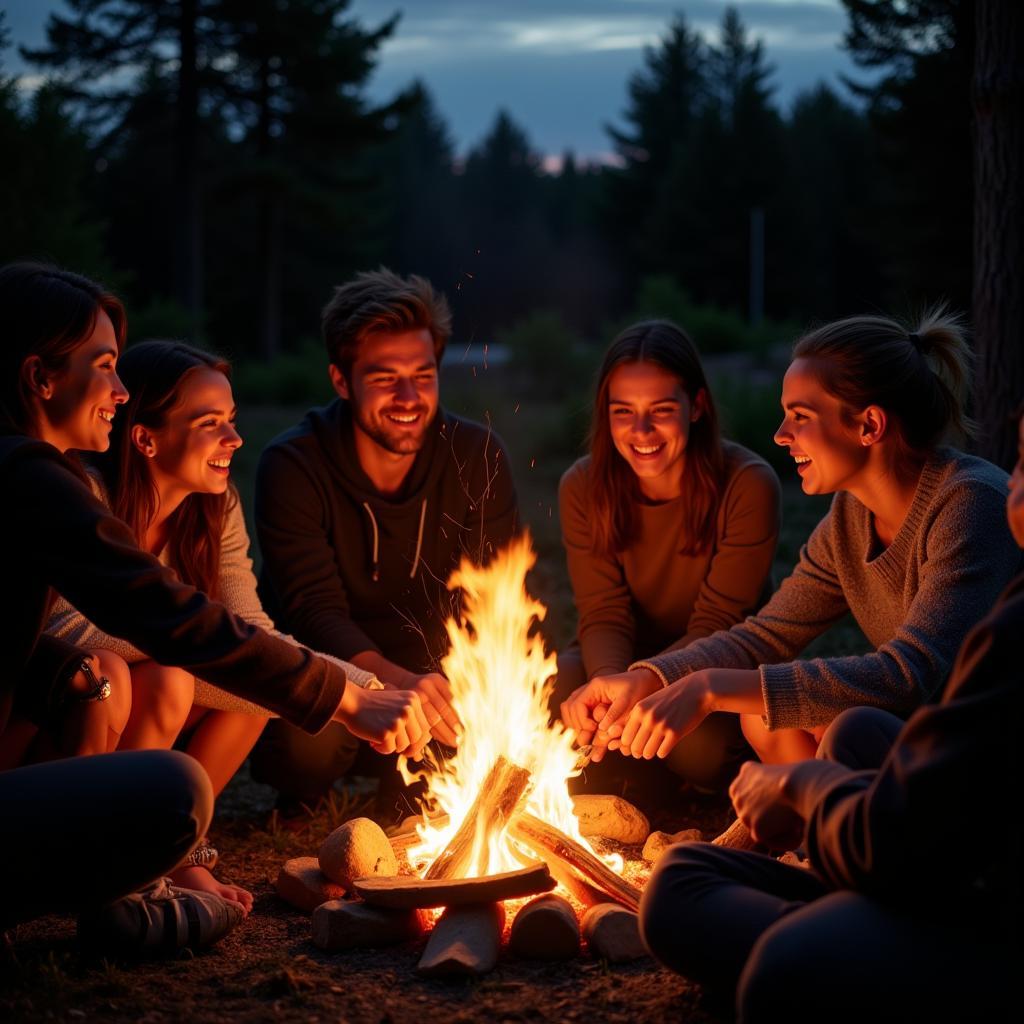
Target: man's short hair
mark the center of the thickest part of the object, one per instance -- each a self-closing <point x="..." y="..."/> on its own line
<point x="381" y="301"/>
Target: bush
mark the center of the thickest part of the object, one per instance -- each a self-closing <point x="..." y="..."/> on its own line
<point x="544" y="352"/>
<point x="295" y="378"/>
<point x="713" y="329"/>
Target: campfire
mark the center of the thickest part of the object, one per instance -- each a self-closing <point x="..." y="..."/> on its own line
<point x="498" y="822"/>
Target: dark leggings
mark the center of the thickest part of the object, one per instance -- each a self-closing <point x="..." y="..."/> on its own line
<point x="781" y="944"/>
<point x="787" y="949"/>
<point x="87" y="830"/>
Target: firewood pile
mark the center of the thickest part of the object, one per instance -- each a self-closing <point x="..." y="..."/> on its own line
<point x="362" y="892"/>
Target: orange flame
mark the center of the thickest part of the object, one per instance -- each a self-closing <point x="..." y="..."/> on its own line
<point x="501" y="679"/>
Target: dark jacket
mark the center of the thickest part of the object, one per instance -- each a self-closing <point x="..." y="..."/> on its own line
<point x="938" y="827"/>
<point x="55" y="534"/>
<point x="346" y="570"/>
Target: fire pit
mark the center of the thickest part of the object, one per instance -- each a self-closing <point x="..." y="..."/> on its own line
<point x="498" y="821"/>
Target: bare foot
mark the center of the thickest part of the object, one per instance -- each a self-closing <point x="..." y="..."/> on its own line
<point x="200" y="878"/>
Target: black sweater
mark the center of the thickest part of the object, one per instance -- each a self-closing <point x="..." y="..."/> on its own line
<point x="55" y="534"/>
<point x="938" y="827"/>
<point x="346" y="570"/>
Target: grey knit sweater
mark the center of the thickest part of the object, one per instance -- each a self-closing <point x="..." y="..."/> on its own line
<point x="915" y="600"/>
<point x="236" y="588"/>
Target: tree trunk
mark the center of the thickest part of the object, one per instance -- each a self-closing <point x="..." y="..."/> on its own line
<point x="998" y="299"/>
<point x="188" y="256"/>
<point x="271" y="222"/>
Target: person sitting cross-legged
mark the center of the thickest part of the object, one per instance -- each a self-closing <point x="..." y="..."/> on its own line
<point x="362" y="513"/>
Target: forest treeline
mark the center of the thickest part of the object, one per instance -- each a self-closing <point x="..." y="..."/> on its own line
<point x="220" y="162"/>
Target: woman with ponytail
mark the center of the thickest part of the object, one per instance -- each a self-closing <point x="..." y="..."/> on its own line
<point x="915" y="546"/>
<point x="668" y="529"/>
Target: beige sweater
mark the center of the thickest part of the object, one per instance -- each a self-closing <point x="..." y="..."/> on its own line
<point x="915" y="600"/>
<point x="237" y="592"/>
<point x="642" y="600"/>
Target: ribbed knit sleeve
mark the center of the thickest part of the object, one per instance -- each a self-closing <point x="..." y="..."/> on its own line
<point x="606" y="626"/>
<point x="967" y="557"/>
<point x="809" y="601"/>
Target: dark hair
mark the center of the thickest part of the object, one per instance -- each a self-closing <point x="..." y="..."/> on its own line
<point x="919" y="374"/>
<point x="614" y="488"/>
<point x="155" y="374"/>
<point x="48" y="312"/>
<point x="379" y="300"/>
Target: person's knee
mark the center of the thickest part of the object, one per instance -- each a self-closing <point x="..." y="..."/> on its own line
<point x="185" y="786"/>
<point x="165" y="695"/>
<point x="118" y="706"/>
<point x="663" y="913"/>
<point x="854" y="733"/>
<point x="301" y="765"/>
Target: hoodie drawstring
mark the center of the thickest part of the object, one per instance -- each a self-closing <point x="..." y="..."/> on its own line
<point x="419" y="539"/>
<point x="375" y="574"/>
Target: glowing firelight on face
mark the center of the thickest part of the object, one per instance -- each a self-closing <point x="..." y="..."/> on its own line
<point x="500" y="678"/>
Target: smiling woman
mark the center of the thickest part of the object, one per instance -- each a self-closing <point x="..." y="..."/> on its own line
<point x="167" y="474"/>
<point x="669" y="531"/>
<point x="915" y="546"/>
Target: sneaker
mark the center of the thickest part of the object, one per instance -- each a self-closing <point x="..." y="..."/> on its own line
<point x="160" y="920"/>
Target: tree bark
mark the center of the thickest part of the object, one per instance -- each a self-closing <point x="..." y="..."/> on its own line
<point x="998" y="296"/>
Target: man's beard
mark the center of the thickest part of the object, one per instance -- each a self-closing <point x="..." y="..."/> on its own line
<point x="394" y="439"/>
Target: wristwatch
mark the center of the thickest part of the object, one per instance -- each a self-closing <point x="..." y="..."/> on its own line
<point x="99" y="689"/>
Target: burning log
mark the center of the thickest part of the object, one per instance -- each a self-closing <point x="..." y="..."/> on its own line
<point x="545" y="929"/>
<point x="406" y="892"/>
<point x="498" y="799"/>
<point x="464" y="943"/>
<point x="564" y="856"/>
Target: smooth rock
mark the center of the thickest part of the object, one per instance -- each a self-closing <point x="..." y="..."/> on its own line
<point x="613" y="933"/>
<point x="339" y="925"/>
<point x="545" y="929"/>
<point x="610" y="817"/>
<point x="658" y="842"/>
<point x="301" y="883"/>
<point x="357" y="849"/>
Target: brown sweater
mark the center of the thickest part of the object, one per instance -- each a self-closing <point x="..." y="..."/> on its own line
<point x="642" y="600"/>
<point x="915" y="600"/>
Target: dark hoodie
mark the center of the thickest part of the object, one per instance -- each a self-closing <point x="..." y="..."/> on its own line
<point x="347" y="570"/>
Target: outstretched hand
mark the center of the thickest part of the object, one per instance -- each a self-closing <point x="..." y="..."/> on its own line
<point x="595" y="707"/>
<point x="392" y="720"/>
<point x="435" y="693"/>
<point x="658" y="722"/>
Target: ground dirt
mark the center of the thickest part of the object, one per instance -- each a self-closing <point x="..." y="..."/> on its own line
<point x="269" y="970"/>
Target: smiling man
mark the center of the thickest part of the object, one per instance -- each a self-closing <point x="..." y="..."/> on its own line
<point x="365" y="508"/>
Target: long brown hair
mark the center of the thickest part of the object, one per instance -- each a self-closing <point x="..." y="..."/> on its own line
<point x="155" y="374"/>
<point x="614" y="488"/>
<point x="48" y="312"/>
<point x="918" y="372"/>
